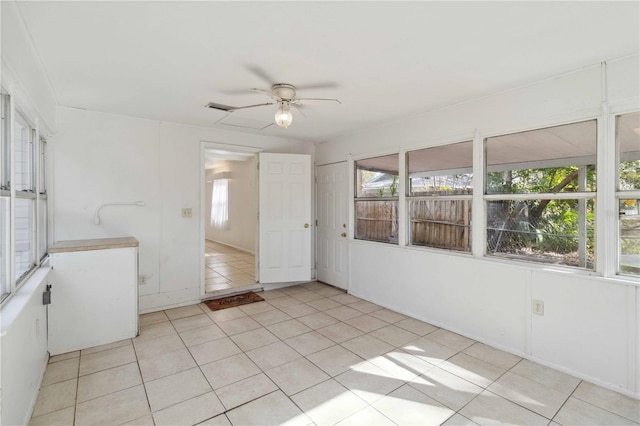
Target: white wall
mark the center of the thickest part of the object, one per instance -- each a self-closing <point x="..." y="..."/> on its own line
<point x="22" y="73"/>
<point x="100" y="158"/>
<point x="590" y="327"/>
<point x="23" y="350"/>
<point x="243" y="205"/>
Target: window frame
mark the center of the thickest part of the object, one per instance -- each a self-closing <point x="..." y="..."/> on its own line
<point x="5" y="145"/>
<point x="393" y="199"/>
<point x="540" y="196"/>
<point x="37" y="225"/>
<point x="409" y="198"/>
<point x="42" y="204"/>
<point x="621" y="194"/>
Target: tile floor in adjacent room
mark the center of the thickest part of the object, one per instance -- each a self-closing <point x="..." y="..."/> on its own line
<point x="227" y="267"/>
<point x="311" y="354"/>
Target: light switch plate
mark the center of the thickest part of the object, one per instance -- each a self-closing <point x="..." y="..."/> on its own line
<point x="187" y="212"/>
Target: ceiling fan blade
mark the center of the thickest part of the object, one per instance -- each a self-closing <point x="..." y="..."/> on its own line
<point x="220" y="107"/>
<point x="228" y="108"/>
<point x="262" y="74"/>
<point x="318" y="99"/>
<point x="298" y="107"/>
<point x="266" y="92"/>
<point x="323" y="85"/>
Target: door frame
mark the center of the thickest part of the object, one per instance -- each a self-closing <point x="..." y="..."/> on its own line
<point x="224" y="149"/>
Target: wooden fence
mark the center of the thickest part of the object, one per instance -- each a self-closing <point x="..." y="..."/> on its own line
<point x="434" y="223"/>
<point x="377" y="220"/>
<point x="441" y="223"/>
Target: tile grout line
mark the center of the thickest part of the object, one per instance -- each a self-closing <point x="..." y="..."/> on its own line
<point x="144" y="387"/>
<point x="75" y="408"/>
<point x="482" y="387"/>
<point x="515" y="402"/>
<point x="566" y="400"/>
<point x="301" y="355"/>
<point x="597" y="406"/>
<point x="330" y="376"/>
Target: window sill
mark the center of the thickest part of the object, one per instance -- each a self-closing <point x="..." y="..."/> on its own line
<point x="13" y="306"/>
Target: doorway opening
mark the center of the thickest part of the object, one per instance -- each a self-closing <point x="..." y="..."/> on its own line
<point x="229" y="228"/>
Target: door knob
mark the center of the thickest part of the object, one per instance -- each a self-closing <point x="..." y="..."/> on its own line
<point x="344" y="225"/>
<point x="343" y="235"/>
<point x="306" y="225"/>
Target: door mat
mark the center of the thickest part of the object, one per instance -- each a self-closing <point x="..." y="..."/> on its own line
<point x="232" y="301"/>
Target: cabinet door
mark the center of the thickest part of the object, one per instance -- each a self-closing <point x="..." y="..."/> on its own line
<point x="94" y="298"/>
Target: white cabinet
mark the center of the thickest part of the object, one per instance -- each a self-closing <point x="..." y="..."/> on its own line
<point x="94" y="294"/>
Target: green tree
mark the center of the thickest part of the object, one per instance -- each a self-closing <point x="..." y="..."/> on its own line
<point x="543" y="225"/>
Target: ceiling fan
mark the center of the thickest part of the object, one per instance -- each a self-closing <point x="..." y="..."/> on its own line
<point x="284" y="95"/>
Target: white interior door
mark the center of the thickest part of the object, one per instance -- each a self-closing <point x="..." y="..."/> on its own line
<point x="284" y="249"/>
<point x="331" y="237"/>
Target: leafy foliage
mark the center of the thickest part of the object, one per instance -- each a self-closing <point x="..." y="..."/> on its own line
<point x="547" y="227"/>
<point x="630" y="175"/>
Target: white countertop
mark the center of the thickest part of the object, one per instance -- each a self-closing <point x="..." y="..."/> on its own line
<point x="94" y="244"/>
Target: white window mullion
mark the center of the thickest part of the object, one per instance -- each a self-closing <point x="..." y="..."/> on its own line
<point x="351" y="188"/>
<point x="543" y="196"/>
<point x="33" y="186"/>
<point x="606" y="204"/>
<point x="37" y="188"/>
<point x="12" y="204"/>
<point x="478" y="209"/>
<point x="403" y="222"/>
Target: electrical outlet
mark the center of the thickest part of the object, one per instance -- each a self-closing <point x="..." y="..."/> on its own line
<point x="538" y="307"/>
<point x="187" y="212"/>
<point x="142" y="280"/>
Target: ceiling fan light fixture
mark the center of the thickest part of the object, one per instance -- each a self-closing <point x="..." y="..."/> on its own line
<point x="284" y="117"/>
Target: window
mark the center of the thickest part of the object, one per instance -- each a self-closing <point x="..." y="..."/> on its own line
<point x="5" y="286"/>
<point x="25" y="197"/>
<point x="439" y="196"/>
<point x="220" y="203"/>
<point x="628" y="192"/>
<point x="540" y="192"/>
<point x="376" y="202"/>
<point x="24" y="233"/>
<point x="5" y="196"/>
<point x="4" y="147"/>
<point x="23" y="155"/>
<point x="43" y="231"/>
<point x="23" y="210"/>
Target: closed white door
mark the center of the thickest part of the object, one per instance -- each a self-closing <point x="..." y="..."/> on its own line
<point x="284" y="249"/>
<point x="331" y="237"/>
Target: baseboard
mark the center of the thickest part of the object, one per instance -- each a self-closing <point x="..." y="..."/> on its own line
<point x="230" y="245"/>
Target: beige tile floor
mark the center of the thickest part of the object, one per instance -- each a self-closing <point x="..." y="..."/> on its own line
<point x="227" y="268"/>
<point x="311" y="354"/>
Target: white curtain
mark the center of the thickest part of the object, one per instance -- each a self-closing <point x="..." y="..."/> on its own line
<point x="220" y="204"/>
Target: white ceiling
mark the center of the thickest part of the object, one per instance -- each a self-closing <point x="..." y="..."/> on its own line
<point x="383" y="60"/>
